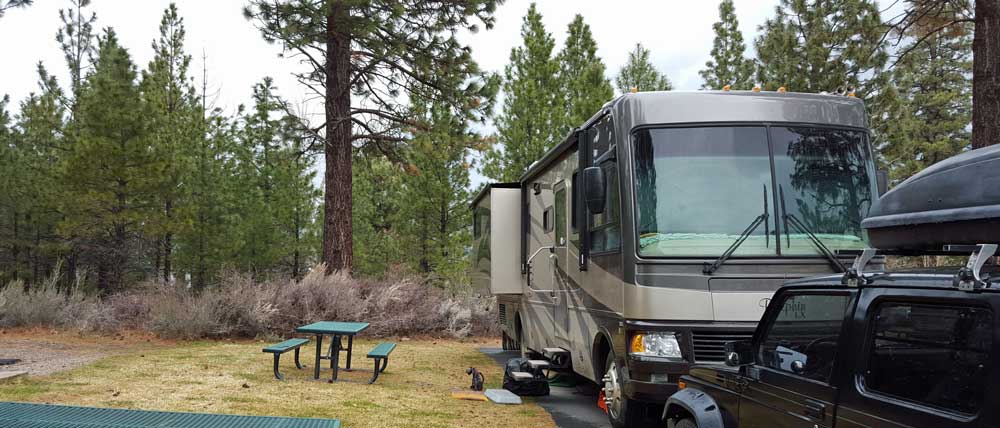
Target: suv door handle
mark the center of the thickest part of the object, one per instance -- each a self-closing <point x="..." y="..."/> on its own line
<point x="814" y="409"/>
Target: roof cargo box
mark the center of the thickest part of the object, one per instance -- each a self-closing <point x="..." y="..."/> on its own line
<point x="956" y="201"/>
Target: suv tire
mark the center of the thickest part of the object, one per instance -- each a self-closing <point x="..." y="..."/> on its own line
<point x="686" y="423"/>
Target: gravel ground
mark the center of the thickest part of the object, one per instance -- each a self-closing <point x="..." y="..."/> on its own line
<point x="41" y="357"/>
<point x="43" y="351"/>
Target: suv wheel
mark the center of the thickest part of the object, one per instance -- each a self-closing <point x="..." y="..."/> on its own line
<point x="686" y="423"/>
<point x="622" y="412"/>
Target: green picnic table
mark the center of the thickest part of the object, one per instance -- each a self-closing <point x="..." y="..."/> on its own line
<point x="28" y="415"/>
<point x="337" y="330"/>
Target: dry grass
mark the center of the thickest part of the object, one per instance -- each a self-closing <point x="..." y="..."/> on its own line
<point x="210" y="377"/>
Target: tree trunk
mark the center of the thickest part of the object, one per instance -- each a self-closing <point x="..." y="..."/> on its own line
<point x="338" y="251"/>
<point x="168" y="242"/>
<point x="986" y="75"/>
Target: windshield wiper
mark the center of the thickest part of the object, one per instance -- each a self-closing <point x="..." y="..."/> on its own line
<point x="804" y="229"/>
<point x="762" y="218"/>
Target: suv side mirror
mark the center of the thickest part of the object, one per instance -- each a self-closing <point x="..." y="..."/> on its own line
<point x="593" y="188"/>
<point x="882" y="181"/>
<point x="739" y="353"/>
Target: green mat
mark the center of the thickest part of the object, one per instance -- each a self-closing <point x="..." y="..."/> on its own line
<point x="24" y="415"/>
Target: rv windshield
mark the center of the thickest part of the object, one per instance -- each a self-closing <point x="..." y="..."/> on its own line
<point x="697" y="189"/>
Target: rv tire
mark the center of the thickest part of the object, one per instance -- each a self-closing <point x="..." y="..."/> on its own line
<point x="622" y="411"/>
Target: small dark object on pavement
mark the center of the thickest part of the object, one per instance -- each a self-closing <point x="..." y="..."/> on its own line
<point x="477" y="378"/>
<point x="9" y="361"/>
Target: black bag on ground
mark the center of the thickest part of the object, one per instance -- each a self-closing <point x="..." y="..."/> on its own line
<point x="537" y="386"/>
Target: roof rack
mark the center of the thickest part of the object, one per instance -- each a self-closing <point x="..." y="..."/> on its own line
<point x="968" y="278"/>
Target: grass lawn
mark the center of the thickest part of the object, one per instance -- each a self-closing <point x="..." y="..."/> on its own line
<point x="236" y="378"/>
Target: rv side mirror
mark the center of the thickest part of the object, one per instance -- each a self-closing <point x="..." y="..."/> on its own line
<point x="882" y="181"/>
<point x="593" y="188"/>
<point x="739" y="353"/>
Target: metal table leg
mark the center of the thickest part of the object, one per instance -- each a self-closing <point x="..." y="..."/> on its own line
<point x="335" y="360"/>
<point x="350" y="347"/>
<point x="319" y="353"/>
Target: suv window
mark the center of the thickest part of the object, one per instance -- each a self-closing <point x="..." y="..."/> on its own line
<point x="935" y="355"/>
<point x="803" y="337"/>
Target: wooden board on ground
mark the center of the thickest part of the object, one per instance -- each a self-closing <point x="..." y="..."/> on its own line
<point x="469" y="395"/>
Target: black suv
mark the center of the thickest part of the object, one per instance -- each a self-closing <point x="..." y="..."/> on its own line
<point x="878" y="350"/>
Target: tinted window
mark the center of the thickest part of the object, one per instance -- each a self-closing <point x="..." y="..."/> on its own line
<point x="804" y="336"/>
<point x="697" y="189"/>
<point x="561" y="217"/>
<point x="824" y="179"/>
<point x="931" y="354"/>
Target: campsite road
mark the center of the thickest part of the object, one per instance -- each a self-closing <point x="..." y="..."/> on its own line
<point x="570" y="407"/>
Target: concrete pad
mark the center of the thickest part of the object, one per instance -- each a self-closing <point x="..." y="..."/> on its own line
<point x="570" y="407"/>
<point x="10" y="375"/>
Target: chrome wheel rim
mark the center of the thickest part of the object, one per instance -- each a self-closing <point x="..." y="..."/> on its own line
<point x="612" y="392"/>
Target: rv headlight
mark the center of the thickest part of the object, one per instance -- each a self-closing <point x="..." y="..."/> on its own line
<point x="655" y="344"/>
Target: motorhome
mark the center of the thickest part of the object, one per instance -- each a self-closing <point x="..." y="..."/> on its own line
<point x="660" y="228"/>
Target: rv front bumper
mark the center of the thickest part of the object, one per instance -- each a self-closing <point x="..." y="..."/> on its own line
<point x="653" y="380"/>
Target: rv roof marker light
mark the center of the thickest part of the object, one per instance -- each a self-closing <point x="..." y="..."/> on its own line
<point x="756" y="88"/>
<point x="635" y="89"/>
<point x="850" y="92"/>
<point x="781" y="89"/>
<point x="727" y="88"/>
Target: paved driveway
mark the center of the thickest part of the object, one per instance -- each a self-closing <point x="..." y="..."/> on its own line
<point x="570" y="407"/>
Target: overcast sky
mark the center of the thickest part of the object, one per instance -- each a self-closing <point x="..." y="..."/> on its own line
<point x="678" y="33"/>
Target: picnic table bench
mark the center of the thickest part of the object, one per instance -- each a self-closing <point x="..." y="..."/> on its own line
<point x="280" y="348"/>
<point x="28" y="415"/>
<point x="380" y="353"/>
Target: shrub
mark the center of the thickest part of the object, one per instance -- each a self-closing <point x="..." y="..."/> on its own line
<point x="243" y="307"/>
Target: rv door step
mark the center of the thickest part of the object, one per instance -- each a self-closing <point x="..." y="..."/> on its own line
<point x="520" y="376"/>
<point x="558" y="358"/>
<point x="538" y="364"/>
<point x="551" y="352"/>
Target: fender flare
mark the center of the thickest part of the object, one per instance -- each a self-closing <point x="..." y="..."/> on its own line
<point x="700" y="405"/>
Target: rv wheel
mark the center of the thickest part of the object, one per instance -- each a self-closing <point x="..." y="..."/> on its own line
<point x="622" y="412"/>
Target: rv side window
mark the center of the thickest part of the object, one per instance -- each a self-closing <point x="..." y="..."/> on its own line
<point x="561" y="217"/>
<point x="602" y="135"/>
<point x="573" y="205"/>
<point x="480" y="222"/>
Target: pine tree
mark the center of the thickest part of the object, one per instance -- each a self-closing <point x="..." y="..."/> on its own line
<point x="29" y="205"/>
<point x="825" y="46"/>
<point x="532" y="113"/>
<point x="822" y="46"/>
<point x="377" y="248"/>
<point x="640" y="74"/>
<point x="6" y="5"/>
<point x="728" y="65"/>
<point x="362" y="58"/>
<point x="107" y="173"/>
<point x="77" y="40"/>
<point x="434" y="221"/>
<point x="934" y="80"/>
<point x="295" y="201"/>
<point x="173" y="121"/>
<point x="947" y="16"/>
<point x="581" y="73"/>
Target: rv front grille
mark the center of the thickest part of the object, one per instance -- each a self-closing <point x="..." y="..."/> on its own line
<point x="502" y="314"/>
<point x="710" y="345"/>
